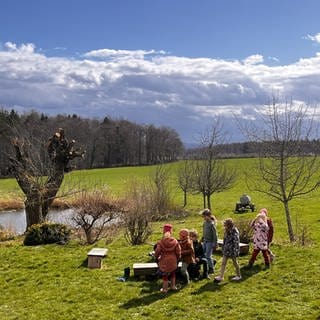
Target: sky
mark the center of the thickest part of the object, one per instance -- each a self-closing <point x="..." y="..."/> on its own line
<point x="175" y="63"/>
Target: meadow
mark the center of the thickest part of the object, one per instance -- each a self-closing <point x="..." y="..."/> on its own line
<point x="53" y="281"/>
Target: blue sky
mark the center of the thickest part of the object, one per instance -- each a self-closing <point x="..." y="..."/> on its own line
<point x="178" y="63"/>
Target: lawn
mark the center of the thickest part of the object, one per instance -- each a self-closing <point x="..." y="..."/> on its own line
<point x="53" y="281"/>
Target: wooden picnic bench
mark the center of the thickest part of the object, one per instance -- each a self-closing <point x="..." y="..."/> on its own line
<point x="147" y="269"/>
<point x="95" y="257"/>
<point x="244" y="247"/>
<point x="151" y="268"/>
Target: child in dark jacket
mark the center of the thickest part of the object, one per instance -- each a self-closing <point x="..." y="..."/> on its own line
<point x="230" y="249"/>
<point x="200" y="258"/>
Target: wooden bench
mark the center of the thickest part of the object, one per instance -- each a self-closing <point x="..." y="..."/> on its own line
<point x="95" y="257"/>
<point x="244" y="247"/>
<point x="147" y="269"/>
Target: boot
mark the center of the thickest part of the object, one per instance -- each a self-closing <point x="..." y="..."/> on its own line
<point x="126" y="273"/>
<point x="205" y="275"/>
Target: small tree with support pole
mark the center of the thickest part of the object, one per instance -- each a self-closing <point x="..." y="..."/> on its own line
<point x="284" y="170"/>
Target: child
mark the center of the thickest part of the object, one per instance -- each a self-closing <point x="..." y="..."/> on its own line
<point x="209" y="237"/>
<point x="187" y="253"/>
<point x="168" y="253"/>
<point x="260" y="239"/>
<point x="230" y="249"/>
<point x="270" y="233"/>
<point x="199" y="256"/>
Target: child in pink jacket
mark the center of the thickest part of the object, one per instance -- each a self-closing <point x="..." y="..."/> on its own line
<point x="260" y="239"/>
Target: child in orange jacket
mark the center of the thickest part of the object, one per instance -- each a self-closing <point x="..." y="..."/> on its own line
<point x="187" y="253"/>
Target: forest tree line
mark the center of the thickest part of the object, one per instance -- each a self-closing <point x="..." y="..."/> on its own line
<point x="110" y="142"/>
<point x="106" y="143"/>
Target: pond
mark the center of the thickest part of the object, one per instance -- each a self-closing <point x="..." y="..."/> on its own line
<point x="16" y="220"/>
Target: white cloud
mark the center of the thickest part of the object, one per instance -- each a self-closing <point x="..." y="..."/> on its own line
<point x="274" y="59"/>
<point x="24" y="48"/>
<point x="149" y="86"/>
<point x="253" y="59"/>
<point x="11" y="46"/>
<point x="111" y="53"/>
<point x="314" y="38"/>
<point x="60" y="48"/>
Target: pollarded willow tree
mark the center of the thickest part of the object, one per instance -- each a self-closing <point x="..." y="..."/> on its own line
<point x="39" y="168"/>
<point x="288" y="164"/>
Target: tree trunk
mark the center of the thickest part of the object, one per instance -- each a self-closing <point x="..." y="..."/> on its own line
<point x="289" y="224"/>
<point x="33" y="209"/>
<point x="204" y="201"/>
<point x="184" y="198"/>
<point x="209" y="201"/>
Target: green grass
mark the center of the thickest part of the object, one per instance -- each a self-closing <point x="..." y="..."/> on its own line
<point x="53" y="282"/>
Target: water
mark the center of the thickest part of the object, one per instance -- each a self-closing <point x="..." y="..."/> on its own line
<point x="16" y="220"/>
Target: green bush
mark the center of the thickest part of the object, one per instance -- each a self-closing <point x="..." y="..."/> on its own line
<point x="47" y="233"/>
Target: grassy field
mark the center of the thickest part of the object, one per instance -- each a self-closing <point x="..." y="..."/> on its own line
<point x="53" y="282"/>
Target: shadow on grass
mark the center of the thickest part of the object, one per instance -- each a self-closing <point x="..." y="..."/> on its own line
<point x="148" y="286"/>
<point x="210" y="286"/>
<point x="247" y="272"/>
<point x="84" y="263"/>
<point x="147" y="299"/>
<point x="217" y="286"/>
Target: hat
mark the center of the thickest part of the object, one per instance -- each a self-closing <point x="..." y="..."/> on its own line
<point x="167" y="228"/>
<point x="264" y="211"/>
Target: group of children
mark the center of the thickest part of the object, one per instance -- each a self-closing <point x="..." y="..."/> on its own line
<point x="193" y="253"/>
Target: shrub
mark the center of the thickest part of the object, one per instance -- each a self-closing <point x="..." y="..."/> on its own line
<point x="6" y="234"/>
<point x="95" y="213"/>
<point x="138" y="215"/>
<point x="160" y="193"/>
<point x="137" y="226"/>
<point x="245" y="231"/>
<point x="47" y="233"/>
<point x="145" y="203"/>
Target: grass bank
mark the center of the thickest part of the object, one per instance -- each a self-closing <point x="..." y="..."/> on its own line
<point x="53" y="282"/>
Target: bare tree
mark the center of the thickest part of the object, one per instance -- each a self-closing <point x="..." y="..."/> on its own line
<point x="39" y="169"/>
<point x="185" y="175"/>
<point x="283" y="170"/>
<point x="138" y="215"/>
<point x="161" y="192"/>
<point x="94" y="212"/>
<point x="211" y="175"/>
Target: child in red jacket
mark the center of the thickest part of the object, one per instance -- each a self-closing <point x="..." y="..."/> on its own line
<point x="168" y="253"/>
